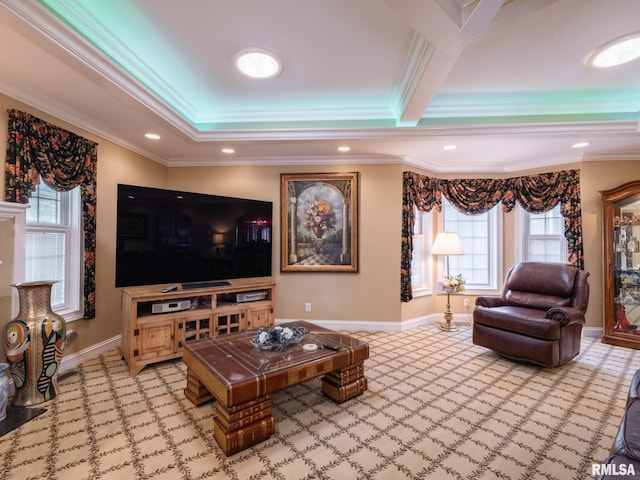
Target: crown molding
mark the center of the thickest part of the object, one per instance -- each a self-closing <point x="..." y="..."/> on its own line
<point x="291" y="161"/>
<point x="475" y="169"/>
<point x="612" y="156"/>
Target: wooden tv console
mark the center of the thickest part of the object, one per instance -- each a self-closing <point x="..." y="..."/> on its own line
<point x="149" y="337"/>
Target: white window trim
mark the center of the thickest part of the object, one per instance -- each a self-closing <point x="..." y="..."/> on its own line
<point x="75" y="264"/>
<point x="427" y="259"/>
<point x="74" y="268"/>
<point x="520" y="236"/>
<point x="496" y="243"/>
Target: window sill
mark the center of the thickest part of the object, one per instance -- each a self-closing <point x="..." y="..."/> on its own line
<point x="421" y="292"/>
<point x="69" y="315"/>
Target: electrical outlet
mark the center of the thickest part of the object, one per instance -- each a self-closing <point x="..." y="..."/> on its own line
<point x="307" y="307"/>
<point x="466" y="303"/>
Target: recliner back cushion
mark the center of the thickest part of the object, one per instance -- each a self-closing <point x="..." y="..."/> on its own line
<point x="536" y="300"/>
<point x="540" y="285"/>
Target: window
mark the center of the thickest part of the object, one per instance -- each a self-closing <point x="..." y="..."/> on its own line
<point x="541" y="236"/>
<point x="481" y="237"/>
<point x="53" y="246"/>
<point x="421" y="259"/>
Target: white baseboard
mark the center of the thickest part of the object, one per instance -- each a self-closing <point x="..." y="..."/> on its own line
<point x="594" y="332"/>
<point x="74" y="360"/>
<point x="459" y="319"/>
<point x="367" y="326"/>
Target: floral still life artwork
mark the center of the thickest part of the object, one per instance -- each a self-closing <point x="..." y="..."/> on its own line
<point x="278" y="338"/>
<point x="453" y="283"/>
<point x="319" y="222"/>
<point x="320" y="217"/>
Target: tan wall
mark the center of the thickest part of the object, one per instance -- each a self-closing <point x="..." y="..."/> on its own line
<point x="373" y="293"/>
<point x="596" y="177"/>
<point x="370" y="295"/>
<point x="115" y="165"/>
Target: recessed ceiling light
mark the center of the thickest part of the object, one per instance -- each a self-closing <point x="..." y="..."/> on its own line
<point x="450" y="147"/>
<point x="344" y="149"/>
<point x="580" y="145"/>
<point x="152" y="136"/>
<point x="257" y="63"/>
<point x="617" y="52"/>
<point x="228" y="150"/>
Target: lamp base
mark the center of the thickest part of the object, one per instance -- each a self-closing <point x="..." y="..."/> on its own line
<point x="448" y="327"/>
<point x="448" y="316"/>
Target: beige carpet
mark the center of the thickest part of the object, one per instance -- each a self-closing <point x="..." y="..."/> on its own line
<point x="437" y="407"/>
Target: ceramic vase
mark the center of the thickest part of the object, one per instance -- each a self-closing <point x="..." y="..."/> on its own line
<point x="33" y="344"/>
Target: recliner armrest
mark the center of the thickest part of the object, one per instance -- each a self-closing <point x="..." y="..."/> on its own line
<point x="490" y="301"/>
<point x="565" y="315"/>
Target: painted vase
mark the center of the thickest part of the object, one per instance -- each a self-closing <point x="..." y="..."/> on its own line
<point x="5" y="389"/>
<point x="33" y="344"/>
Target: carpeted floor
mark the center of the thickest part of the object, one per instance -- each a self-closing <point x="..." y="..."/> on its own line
<point x="437" y="407"/>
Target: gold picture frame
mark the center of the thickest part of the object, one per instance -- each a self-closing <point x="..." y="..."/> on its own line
<point x="319" y="218"/>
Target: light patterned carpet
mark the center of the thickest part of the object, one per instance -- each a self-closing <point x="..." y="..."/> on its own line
<point x="437" y="407"/>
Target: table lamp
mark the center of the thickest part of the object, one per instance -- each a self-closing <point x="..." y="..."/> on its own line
<point x="447" y="243"/>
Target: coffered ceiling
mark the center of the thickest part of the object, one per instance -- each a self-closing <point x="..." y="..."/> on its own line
<point x="396" y="80"/>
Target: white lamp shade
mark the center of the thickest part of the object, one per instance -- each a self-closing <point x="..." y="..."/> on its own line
<point x="447" y="243"/>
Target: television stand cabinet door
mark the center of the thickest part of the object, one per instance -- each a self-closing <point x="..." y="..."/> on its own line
<point x="152" y="332"/>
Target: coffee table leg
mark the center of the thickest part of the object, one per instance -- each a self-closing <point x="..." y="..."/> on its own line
<point x="196" y="392"/>
<point x="244" y="425"/>
<point x="344" y="384"/>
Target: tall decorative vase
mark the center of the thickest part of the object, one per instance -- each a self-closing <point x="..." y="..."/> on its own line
<point x="5" y="389"/>
<point x="33" y="345"/>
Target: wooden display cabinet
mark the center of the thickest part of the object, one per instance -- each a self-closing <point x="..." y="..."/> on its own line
<point x="149" y="337"/>
<point x="621" y="265"/>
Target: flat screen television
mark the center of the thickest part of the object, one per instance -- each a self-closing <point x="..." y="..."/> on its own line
<point x="168" y="236"/>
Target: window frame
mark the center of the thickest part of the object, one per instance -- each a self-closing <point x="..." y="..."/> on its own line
<point x="425" y="221"/>
<point x="70" y="223"/>
<point x="495" y="227"/>
<point x="522" y="235"/>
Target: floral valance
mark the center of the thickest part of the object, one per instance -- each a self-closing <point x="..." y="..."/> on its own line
<point x="64" y="160"/>
<point x="535" y="194"/>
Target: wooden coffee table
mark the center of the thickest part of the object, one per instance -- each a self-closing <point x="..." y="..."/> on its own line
<point x="241" y="378"/>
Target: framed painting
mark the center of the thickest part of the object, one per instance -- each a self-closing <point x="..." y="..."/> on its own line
<point x="319" y="218"/>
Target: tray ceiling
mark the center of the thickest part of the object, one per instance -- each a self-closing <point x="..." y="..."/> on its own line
<point x="396" y="80"/>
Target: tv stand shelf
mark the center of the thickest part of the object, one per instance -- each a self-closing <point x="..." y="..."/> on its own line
<point x="149" y="337"/>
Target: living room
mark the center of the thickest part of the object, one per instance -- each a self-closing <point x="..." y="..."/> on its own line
<point x="366" y="300"/>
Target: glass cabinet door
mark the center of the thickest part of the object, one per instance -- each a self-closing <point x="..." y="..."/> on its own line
<point x="621" y="245"/>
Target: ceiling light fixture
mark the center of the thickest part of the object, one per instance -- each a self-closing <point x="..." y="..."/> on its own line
<point x="449" y="147"/>
<point x="580" y="145"/>
<point x="344" y="149"/>
<point x="228" y="150"/>
<point x="617" y="52"/>
<point x="257" y="63"/>
<point x="152" y="136"/>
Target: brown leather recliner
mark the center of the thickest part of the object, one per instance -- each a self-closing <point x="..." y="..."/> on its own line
<point x="539" y="316"/>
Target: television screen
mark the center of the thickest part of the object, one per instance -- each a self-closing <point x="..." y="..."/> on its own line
<point x="167" y="236"/>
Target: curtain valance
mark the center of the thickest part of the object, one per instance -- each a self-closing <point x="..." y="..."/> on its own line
<point x="535" y="194"/>
<point x="64" y="160"/>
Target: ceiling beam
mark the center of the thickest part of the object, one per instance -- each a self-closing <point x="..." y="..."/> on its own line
<point x="449" y="26"/>
<point x="478" y="16"/>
